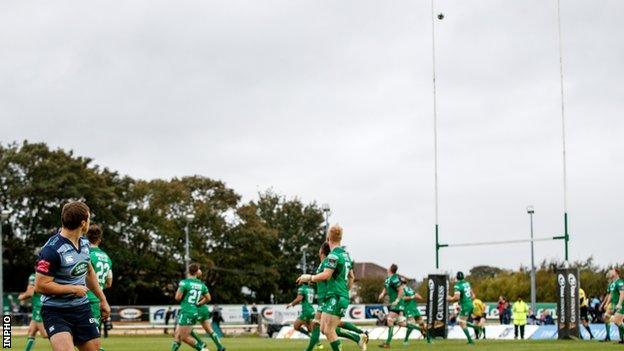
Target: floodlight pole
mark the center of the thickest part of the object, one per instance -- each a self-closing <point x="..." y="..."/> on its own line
<point x="187" y="256"/>
<point x="326" y="212"/>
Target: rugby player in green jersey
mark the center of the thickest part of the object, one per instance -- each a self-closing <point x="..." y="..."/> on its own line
<point x="337" y="275"/>
<point x="36" y="323"/>
<point x="411" y="312"/>
<point x="464" y="295"/>
<point x="608" y="307"/>
<point x="393" y="288"/>
<point x="102" y="265"/>
<point x="191" y="293"/>
<point x="305" y="297"/>
<point x="617" y="300"/>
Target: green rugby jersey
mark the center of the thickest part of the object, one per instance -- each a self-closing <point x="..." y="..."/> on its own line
<point x="339" y="260"/>
<point x="392" y="284"/>
<point x="465" y="294"/>
<point x="36" y="298"/>
<point x="308" y="298"/>
<point x="321" y="287"/>
<point x="409" y="304"/>
<point x="615" y="288"/>
<point x="192" y="290"/>
<point x="102" y="265"/>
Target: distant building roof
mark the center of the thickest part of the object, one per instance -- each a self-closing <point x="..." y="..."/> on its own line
<point x="371" y="270"/>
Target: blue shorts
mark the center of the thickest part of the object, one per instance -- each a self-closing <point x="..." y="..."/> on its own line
<point x="77" y="321"/>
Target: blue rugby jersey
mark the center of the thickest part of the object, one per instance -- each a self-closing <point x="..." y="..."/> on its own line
<point x="60" y="259"/>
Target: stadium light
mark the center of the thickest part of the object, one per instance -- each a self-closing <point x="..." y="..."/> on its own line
<point x="531" y="211"/>
<point x="4" y="215"/>
<point x="326" y="212"/>
<point x="187" y="257"/>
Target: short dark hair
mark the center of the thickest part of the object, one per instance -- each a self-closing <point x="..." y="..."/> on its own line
<point x="94" y="234"/>
<point x="73" y="213"/>
<point x="325" y="248"/>
<point x="193" y="268"/>
<point x="394" y="268"/>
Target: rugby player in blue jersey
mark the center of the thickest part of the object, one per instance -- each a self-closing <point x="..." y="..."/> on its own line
<point x="64" y="275"/>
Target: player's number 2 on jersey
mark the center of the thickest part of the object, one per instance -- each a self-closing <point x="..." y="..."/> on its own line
<point x="101" y="271"/>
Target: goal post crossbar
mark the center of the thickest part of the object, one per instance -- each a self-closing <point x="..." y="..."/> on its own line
<point x="502" y="242"/>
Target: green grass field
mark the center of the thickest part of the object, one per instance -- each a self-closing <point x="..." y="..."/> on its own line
<point x="154" y="343"/>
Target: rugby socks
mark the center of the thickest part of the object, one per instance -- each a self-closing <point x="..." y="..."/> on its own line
<point x="621" y="327"/>
<point x="304" y="331"/>
<point x="390" y="333"/>
<point x="196" y="337"/>
<point x="335" y="345"/>
<point x="608" y="330"/>
<point x="314" y="337"/>
<point x="199" y="346"/>
<point x="216" y="340"/>
<point x="175" y="346"/>
<point x="352" y="327"/>
<point x="467" y="335"/>
<point x="409" y="331"/>
<point x="347" y="334"/>
<point x="591" y="336"/>
<point x="30" y="343"/>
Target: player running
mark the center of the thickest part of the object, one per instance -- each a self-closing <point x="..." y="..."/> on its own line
<point x="102" y="265"/>
<point x="64" y="275"/>
<point x="478" y="316"/>
<point x="36" y="323"/>
<point x="336" y="274"/>
<point x="191" y="293"/>
<point x="394" y="288"/>
<point x="411" y="312"/>
<point x="464" y="295"/>
<point x="305" y="297"/>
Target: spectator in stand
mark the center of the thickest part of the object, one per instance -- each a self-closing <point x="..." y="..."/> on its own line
<point x="507" y="313"/>
<point x="501" y="308"/>
<point x="532" y="319"/>
<point x="254" y="314"/>
<point x="546" y="318"/>
<point x="520" y="312"/>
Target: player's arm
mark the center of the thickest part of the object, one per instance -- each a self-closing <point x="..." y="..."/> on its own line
<point x="94" y="286"/>
<point x="30" y="291"/>
<point x="453" y="298"/>
<point x="204" y="299"/>
<point x="323" y="276"/>
<point x="399" y="295"/>
<point x="382" y="294"/>
<point x="109" y="280"/>
<point x="179" y="294"/>
<point x="351" y="279"/>
<point x="296" y="301"/>
<point x="418" y="297"/>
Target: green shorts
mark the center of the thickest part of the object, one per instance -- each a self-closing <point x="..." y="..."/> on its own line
<point x="465" y="311"/>
<point x="320" y="301"/>
<point x="186" y="318"/>
<point x="203" y="313"/>
<point x="306" y="316"/>
<point x="336" y="306"/>
<point x="36" y="314"/>
<point x="412" y="313"/>
<point x="95" y="310"/>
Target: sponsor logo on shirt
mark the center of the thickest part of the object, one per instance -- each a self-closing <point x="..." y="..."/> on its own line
<point x="43" y="266"/>
<point x="79" y="269"/>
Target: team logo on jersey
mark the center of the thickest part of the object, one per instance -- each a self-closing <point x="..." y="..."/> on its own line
<point x="79" y="269"/>
<point x="69" y="259"/>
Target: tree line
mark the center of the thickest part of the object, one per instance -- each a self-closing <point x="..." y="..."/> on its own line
<point x="248" y="250"/>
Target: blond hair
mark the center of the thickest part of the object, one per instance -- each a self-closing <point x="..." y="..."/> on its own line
<point x="335" y="234"/>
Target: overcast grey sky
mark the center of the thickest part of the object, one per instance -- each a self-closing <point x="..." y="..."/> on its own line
<point x="331" y="101"/>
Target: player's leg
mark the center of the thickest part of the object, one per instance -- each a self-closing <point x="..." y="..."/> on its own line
<point x="32" y="332"/>
<point x="462" y="320"/>
<point x="390" y="321"/>
<point x="607" y="322"/>
<point x="85" y="328"/>
<point x="91" y="345"/>
<point x="298" y="324"/>
<point x="211" y="333"/>
<point x="42" y="330"/>
<point x="482" y="325"/>
<point x="346" y="328"/>
<point x="62" y="341"/>
<point x="618" y="319"/>
<point x="329" y="324"/>
<point x="333" y="310"/>
<point x="316" y="330"/>
<point x="96" y="313"/>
